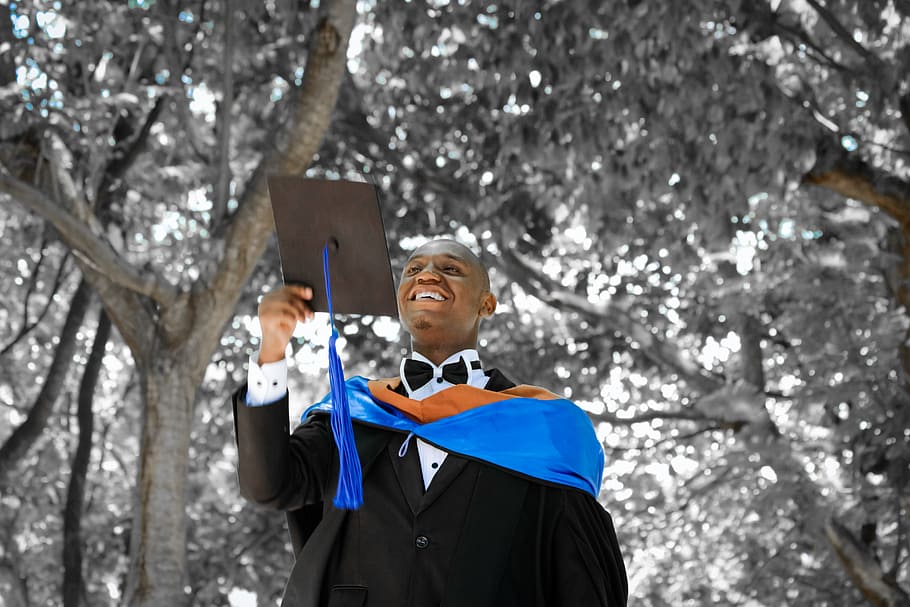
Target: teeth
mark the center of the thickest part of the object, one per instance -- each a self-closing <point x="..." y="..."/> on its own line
<point x="429" y="295"/>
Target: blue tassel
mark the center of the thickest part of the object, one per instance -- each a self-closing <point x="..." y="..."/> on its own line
<point x="349" y="495"/>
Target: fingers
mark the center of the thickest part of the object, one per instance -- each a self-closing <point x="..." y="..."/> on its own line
<point x="279" y="313"/>
<point x="300" y="297"/>
<point x="298" y="290"/>
<point x="288" y="300"/>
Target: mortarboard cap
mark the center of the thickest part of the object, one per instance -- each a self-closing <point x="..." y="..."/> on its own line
<point x="330" y="238"/>
<point x="312" y="213"/>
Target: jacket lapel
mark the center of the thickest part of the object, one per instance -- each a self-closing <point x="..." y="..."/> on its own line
<point x="407" y="469"/>
<point x="448" y="472"/>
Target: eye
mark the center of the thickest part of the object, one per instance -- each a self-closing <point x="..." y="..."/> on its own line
<point x="411" y="270"/>
<point x="452" y="269"/>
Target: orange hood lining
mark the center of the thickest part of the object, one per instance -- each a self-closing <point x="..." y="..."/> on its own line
<point x="451" y="401"/>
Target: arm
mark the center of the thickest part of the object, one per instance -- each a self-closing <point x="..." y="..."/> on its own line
<point x="276" y="469"/>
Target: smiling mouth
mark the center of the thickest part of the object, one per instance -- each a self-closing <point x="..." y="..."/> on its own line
<point x="428" y="296"/>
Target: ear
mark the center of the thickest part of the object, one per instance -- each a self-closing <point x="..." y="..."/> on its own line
<point x="487" y="305"/>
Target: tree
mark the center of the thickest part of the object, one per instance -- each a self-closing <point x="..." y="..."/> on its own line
<point x="170" y="323"/>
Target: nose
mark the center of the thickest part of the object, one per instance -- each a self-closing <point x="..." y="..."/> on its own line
<point x="427" y="274"/>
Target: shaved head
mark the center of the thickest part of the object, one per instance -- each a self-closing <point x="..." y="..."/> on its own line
<point x="457" y="249"/>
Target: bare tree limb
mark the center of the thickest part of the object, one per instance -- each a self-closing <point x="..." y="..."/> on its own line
<point x="611" y="315"/>
<point x="853" y="178"/>
<point x="33" y="282"/>
<point x="223" y="179"/>
<point x="671" y="438"/>
<point x="171" y="49"/>
<point x="904" y="104"/>
<point x="751" y="354"/>
<point x="249" y="228"/>
<point x="129" y="310"/>
<point x="651" y="416"/>
<point x="899" y="545"/>
<point x="27" y="326"/>
<point x="771" y="24"/>
<point x="129" y="294"/>
<point x="23" y="437"/>
<point x="13" y="584"/>
<point x="864" y="568"/>
<point x="73" y="585"/>
<point x="87" y="247"/>
<point x="120" y="164"/>
<point x="838" y="28"/>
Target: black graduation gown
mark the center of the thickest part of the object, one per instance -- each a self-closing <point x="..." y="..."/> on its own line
<point x="479" y="536"/>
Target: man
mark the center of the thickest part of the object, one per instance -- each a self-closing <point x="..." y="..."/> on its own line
<point x="454" y="514"/>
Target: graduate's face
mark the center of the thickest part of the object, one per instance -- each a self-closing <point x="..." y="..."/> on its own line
<point x="444" y="292"/>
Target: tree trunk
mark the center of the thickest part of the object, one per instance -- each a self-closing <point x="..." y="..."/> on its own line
<point x="12" y="587"/>
<point x="158" y="539"/>
<point x="22" y="439"/>
<point x="903" y="292"/>
<point x="7" y="57"/>
<point x="75" y="495"/>
<point x="225" y="112"/>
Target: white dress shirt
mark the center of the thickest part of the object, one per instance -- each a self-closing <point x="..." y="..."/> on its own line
<point x="268" y="383"/>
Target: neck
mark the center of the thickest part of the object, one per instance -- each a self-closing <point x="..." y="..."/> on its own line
<point x="438" y="353"/>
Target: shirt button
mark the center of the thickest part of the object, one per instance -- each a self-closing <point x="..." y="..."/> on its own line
<point x="422" y="541"/>
<point x="438" y="380"/>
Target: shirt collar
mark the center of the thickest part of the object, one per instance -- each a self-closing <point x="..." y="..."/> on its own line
<point x="476" y="377"/>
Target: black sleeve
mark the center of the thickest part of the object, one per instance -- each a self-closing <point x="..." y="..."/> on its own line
<point x="277" y="469"/>
<point x="587" y="563"/>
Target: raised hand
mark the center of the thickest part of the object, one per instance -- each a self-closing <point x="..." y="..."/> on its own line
<point x="279" y="313"/>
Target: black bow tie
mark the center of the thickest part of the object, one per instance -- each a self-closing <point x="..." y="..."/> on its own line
<point x="418" y="373"/>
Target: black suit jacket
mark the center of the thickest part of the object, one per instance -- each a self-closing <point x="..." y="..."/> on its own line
<point x="478" y="536"/>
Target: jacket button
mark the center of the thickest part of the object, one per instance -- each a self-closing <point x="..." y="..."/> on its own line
<point x="422" y="541"/>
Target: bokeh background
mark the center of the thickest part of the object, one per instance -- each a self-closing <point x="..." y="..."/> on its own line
<point x="696" y="214"/>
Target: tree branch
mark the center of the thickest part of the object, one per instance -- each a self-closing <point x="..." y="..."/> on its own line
<point x="651" y="416"/>
<point x="864" y="568"/>
<point x="225" y="110"/>
<point x="73" y="585"/>
<point x="904" y="104"/>
<point x="23" y="437"/>
<point x="838" y="28"/>
<point x="87" y="247"/>
<point x="611" y="315"/>
<point x="120" y="164"/>
<point x="853" y="178"/>
<point x="899" y="545"/>
<point x="27" y="326"/>
<point x="770" y="24"/>
<point x="171" y="49"/>
<point x="671" y="438"/>
<point x="249" y="228"/>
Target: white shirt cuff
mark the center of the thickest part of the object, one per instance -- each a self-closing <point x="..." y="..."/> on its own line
<point x="266" y="383"/>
